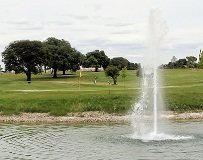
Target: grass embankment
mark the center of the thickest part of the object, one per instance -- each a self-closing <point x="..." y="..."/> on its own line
<point x="183" y="92"/>
<point x="183" y="89"/>
<point x="65" y="94"/>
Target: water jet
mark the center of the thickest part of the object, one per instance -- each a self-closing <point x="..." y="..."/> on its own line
<point x="146" y="112"/>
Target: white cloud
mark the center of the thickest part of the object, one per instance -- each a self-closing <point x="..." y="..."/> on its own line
<point x="117" y="26"/>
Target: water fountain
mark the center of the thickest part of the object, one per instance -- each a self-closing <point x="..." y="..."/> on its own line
<point x="147" y="111"/>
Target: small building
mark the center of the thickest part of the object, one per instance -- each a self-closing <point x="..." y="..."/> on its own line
<point x="90" y="69"/>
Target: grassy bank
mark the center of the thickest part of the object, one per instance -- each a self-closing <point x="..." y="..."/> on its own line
<point x="66" y="94"/>
<point x="183" y="92"/>
<point x="183" y="89"/>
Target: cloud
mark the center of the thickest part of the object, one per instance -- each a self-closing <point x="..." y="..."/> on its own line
<point x="79" y="17"/>
<point x="125" y="31"/>
<point x="118" y="28"/>
<point x="97" y="7"/>
<point x="76" y="16"/>
<point x="184" y="46"/>
<point x="2" y="46"/>
<point x="31" y="28"/>
<point x="17" y="22"/>
<point x="59" y="23"/>
<point x="97" y="42"/>
<point x="121" y="32"/>
<point x="119" y="24"/>
<point x="134" y="55"/>
<point x="63" y="23"/>
<point x="129" y="46"/>
<point x="107" y="43"/>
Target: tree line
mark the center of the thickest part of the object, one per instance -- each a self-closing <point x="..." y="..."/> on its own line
<point x="188" y="62"/>
<point x="26" y="56"/>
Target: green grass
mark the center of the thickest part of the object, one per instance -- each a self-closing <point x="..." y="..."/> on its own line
<point x="185" y="89"/>
<point x="62" y="102"/>
<point x="183" y="92"/>
<point x="65" y="94"/>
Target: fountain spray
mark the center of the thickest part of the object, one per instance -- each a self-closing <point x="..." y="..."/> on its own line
<point x="145" y="112"/>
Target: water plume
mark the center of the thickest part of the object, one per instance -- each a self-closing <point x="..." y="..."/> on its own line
<point x="146" y="111"/>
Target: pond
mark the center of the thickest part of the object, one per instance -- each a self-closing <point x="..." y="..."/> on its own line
<point x="97" y="142"/>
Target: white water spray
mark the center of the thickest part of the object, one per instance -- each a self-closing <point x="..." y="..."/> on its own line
<point x="145" y="112"/>
<point x="155" y="100"/>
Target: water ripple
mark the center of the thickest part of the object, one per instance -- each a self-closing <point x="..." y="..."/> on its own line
<point x="92" y="142"/>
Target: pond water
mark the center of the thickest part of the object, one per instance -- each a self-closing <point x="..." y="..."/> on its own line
<point x="98" y="142"/>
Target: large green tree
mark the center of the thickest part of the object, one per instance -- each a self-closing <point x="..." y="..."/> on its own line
<point x="24" y="56"/>
<point x="113" y="72"/>
<point x="191" y="61"/>
<point x="58" y="52"/>
<point x="75" y="60"/>
<point x="97" y="59"/>
<point x="120" y="62"/>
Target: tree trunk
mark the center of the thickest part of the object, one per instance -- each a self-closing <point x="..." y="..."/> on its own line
<point x="28" y="74"/>
<point x="45" y="69"/>
<point x="55" y="73"/>
<point x="41" y="69"/>
<point x="64" y="71"/>
<point x="96" y="69"/>
<point x="114" y="81"/>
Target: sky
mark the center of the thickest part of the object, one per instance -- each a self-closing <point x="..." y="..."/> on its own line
<point x="119" y="27"/>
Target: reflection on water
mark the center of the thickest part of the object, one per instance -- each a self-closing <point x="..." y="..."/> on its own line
<point x="61" y="141"/>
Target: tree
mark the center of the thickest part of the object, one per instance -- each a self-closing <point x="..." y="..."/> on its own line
<point x="124" y="74"/>
<point x="120" y="62"/>
<point x="75" y="59"/>
<point x="63" y="58"/>
<point x="132" y="66"/>
<point x="172" y="65"/>
<point x="97" y="59"/>
<point x="173" y="59"/>
<point x="180" y="63"/>
<point x="113" y="72"/>
<point x="200" y="64"/>
<point x="191" y="61"/>
<point x="58" y="52"/>
<point x="24" y="56"/>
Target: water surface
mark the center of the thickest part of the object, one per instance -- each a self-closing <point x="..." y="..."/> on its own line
<point x="97" y="142"/>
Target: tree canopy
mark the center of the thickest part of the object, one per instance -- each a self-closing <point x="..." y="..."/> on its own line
<point x="180" y="63"/>
<point x="191" y="61"/>
<point x="113" y="72"/>
<point x="75" y="60"/>
<point x="24" y="56"/>
<point x="97" y="59"/>
<point x="200" y="64"/>
<point x="132" y="66"/>
<point x="120" y="62"/>
<point x="58" y="52"/>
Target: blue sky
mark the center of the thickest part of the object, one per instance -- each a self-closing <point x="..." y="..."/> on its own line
<point x="119" y="27"/>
